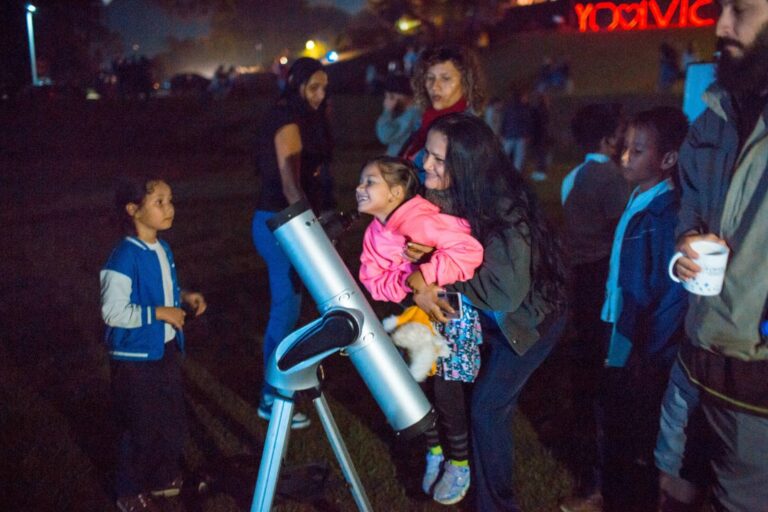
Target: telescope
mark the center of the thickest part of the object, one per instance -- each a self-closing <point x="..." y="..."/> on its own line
<point x="347" y="324"/>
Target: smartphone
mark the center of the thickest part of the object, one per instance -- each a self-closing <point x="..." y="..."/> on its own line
<point x="698" y="76"/>
<point x="454" y="300"/>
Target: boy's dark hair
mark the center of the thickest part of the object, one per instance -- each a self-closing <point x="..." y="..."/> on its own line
<point x="131" y="189"/>
<point x="398" y="171"/>
<point x="594" y="122"/>
<point x="669" y="125"/>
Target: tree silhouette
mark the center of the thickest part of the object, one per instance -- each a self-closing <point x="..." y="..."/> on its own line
<point x="248" y="32"/>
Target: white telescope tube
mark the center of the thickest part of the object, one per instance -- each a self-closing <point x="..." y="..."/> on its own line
<point x="331" y="285"/>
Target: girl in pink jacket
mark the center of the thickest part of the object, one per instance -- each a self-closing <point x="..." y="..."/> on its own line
<point x="388" y="191"/>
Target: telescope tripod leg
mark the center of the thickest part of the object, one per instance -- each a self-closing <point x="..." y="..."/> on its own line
<point x="275" y="446"/>
<point x="342" y="455"/>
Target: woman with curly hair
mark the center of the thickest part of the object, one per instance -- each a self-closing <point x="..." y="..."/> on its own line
<point x="446" y="80"/>
<point x="519" y="290"/>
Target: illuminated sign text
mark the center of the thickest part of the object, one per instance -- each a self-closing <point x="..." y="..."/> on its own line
<point x="643" y="15"/>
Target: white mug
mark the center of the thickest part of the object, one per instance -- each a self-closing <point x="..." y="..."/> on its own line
<point x="713" y="258"/>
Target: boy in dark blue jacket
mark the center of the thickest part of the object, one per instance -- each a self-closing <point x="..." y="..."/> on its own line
<point x="141" y="305"/>
<point x="646" y="310"/>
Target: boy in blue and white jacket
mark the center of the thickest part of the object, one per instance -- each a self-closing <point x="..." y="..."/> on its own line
<point x="141" y="305"/>
<point x="645" y="308"/>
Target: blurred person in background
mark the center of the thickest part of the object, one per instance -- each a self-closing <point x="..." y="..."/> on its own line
<point x="541" y="138"/>
<point x="517" y="128"/>
<point x="493" y="115"/>
<point x="400" y="116"/>
<point x="593" y="196"/>
<point x="293" y="145"/>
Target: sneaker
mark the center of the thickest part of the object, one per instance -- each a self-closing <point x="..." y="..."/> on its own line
<point x="592" y="503"/>
<point x="434" y="463"/>
<point x="173" y="488"/>
<point x="538" y="176"/>
<point x="453" y="485"/>
<point x="299" y="420"/>
<point x="138" y="503"/>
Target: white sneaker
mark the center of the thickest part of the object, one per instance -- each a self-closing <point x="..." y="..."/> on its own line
<point x="299" y="420"/>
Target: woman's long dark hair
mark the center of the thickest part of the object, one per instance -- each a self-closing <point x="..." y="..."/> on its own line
<point x="299" y="74"/>
<point x="486" y="190"/>
<point x="315" y="128"/>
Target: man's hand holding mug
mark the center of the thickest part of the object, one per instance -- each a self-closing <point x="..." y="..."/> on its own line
<point x="699" y="263"/>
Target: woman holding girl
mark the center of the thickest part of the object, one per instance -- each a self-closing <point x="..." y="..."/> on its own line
<point x="293" y="147"/>
<point x="519" y="289"/>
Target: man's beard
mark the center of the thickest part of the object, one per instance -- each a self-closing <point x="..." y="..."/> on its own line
<point x="748" y="74"/>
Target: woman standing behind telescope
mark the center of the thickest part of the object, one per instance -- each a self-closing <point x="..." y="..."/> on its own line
<point x="293" y="146"/>
<point x="519" y="289"/>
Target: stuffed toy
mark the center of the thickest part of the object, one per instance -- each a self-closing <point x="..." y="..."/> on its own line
<point x="413" y="331"/>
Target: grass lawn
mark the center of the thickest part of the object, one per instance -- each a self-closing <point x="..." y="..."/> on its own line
<point x="58" y="163"/>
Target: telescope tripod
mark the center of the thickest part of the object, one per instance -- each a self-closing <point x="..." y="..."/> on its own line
<point x="276" y="446"/>
<point x="293" y="367"/>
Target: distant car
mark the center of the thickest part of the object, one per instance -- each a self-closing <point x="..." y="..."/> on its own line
<point x="51" y="91"/>
<point x="189" y="84"/>
<point x="255" y="84"/>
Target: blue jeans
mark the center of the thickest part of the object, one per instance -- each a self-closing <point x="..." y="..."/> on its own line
<point x="284" y="287"/>
<point x="503" y="375"/>
<point x="516" y="148"/>
<point x="680" y="446"/>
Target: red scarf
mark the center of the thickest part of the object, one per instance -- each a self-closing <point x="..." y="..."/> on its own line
<point x="418" y="139"/>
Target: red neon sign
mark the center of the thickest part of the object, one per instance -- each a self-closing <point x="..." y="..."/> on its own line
<point x="642" y="15"/>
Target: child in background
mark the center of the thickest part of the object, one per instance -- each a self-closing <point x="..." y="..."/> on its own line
<point x="593" y="195"/>
<point x="141" y="303"/>
<point x="644" y="307"/>
<point x="493" y="115"/>
<point x="388" y="191"/>
<point x="400" y="117"/>
<point x="517" y="128"/>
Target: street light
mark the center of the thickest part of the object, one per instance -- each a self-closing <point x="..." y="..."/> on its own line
<point x="31" y="9"/>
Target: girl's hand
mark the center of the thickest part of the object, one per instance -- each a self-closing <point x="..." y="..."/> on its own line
<point x="415" y="252"/>
<point x="173" y="316"/>
<point x="196" y="302"/>
<point x="425" y="296"/>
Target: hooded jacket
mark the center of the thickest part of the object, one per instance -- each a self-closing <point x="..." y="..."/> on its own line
<point x="383" y="269"/>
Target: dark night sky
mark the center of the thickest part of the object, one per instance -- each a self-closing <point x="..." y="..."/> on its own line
<point x="144" y="23"/>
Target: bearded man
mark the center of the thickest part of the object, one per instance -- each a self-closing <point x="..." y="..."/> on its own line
<point x="723" y="365"/>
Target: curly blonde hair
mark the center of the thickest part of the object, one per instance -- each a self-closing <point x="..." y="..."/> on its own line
<point x="472" y="80"/>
